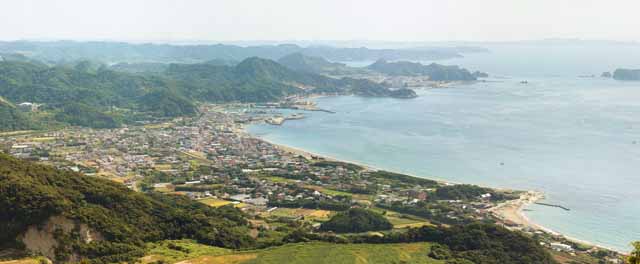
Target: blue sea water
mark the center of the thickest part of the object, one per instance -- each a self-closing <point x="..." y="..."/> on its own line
<point x="575" y="139"/>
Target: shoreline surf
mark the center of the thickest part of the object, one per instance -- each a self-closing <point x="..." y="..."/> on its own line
<point x="512" y="211"/>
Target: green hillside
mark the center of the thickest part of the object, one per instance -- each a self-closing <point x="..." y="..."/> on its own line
<point x="31" y="194"/>
<point x="301" y="253"/>
<point x="317" y="65"/>
<point x="12" y="119"/>
<point x="78" y="95"/>
<point x="87" y="94"/>
<point x="262" y="80"/>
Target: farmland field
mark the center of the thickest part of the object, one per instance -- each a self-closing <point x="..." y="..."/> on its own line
<point x="308" y="214"/>
<point x="303" y="253"/>
<point x="214" y="202"/>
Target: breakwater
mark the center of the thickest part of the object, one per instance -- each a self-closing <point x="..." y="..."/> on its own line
<point x="554" y="205"/>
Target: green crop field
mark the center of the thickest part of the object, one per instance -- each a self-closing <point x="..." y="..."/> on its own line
<point x="303" y="253"/>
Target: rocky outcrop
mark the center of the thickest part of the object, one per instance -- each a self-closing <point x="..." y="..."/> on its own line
<point x="42" y="239"/>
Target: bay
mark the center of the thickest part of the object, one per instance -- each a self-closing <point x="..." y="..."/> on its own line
<point x="575" y="139"/>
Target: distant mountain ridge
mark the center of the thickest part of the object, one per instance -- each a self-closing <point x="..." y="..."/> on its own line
<point x="57" y="51"/>
<point x="318" y="65"/>
<point x="300" y="62"/>
<point x="260" y="80"/>
<point x="435" y="71"/>
<point x="90" y="94"/>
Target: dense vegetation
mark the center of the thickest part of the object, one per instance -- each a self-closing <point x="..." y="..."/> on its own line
<point x="89" y="94"/>
<point x="30" y="194"/>
<point x="634" y="257"/>
<point x="141" y="67"/>
<point x="261" y="80"/>
<point x="312" y="204"/>
<point x="167" y="103"/>
<point x="253" y="80"/>
<point x="356" y="220"/>
<point x="317" y="65"/>
<point x="86" y="96"/>
<point x="398" y="179"/>
<point x="436" y="72"/>
<point x="79" y="114"/>
<point x="334" y="164"/>
<point x="627" y="75"/>
<point x="11" y="119"/>
<point x="479" y="243"/>
<point x="461" y="192"/>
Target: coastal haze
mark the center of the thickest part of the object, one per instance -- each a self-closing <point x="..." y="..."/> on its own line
<point x="282" y="20"/>
<point x="429" y="131"/>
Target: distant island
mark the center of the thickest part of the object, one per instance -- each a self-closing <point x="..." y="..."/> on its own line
<point x="627" y="74"/>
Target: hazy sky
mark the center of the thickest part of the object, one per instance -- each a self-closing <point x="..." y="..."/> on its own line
<point x="398" y="20"/>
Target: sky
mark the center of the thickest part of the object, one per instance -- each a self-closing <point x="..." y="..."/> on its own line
<point x="374" y="20"/>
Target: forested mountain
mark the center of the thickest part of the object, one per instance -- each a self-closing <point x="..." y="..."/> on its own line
<point x="85" y="95"/>
<point x="11" y="119"/>
<point x="89" y="94"/>
<point x="140" y="67"/>
<point x="317" y="65"/>
<point x="57" y="51"/>
<point x="41" y="205"/>
<point x="435" y="71"/>
<point x="260" y="80"/>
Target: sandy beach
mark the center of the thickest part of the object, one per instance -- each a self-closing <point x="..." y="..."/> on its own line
<point x="510" y="212"/>
<point x="309" y="155"/>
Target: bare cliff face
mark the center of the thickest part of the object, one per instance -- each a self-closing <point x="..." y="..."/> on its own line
<point x="42" y="239"/>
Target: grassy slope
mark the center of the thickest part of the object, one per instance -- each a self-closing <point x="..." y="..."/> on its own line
<point x="303" y="253"/>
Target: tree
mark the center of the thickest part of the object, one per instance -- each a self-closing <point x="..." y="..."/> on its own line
<point x="439" y="252"/>
<point x="634" y="258"/>
<point x="356" y="220"/>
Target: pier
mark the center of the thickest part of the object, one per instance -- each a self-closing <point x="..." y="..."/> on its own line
<point x="322" y="110"/>
<point x="554" y="205"/>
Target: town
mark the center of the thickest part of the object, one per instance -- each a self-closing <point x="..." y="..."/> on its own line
<point x="210" y="158"/>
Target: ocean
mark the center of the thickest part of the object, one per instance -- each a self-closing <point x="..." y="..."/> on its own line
<point x="575" y="139"/>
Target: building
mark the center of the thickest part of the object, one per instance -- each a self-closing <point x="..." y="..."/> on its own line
<point x="28" y="107"/>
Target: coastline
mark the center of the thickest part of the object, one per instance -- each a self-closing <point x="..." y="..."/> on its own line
<point x="511" y="211"/>
<point x="309" y="154"/>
